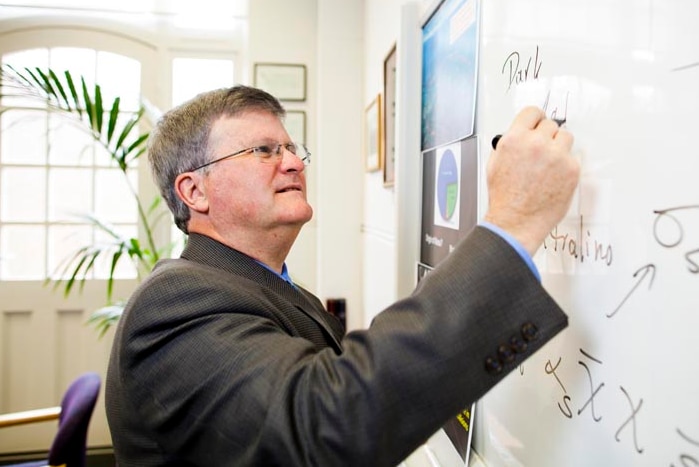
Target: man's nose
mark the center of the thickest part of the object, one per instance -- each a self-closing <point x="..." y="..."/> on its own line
<point x="291" y="161"/>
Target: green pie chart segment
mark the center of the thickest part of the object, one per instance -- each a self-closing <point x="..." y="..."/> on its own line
<point x="447" y="185"/>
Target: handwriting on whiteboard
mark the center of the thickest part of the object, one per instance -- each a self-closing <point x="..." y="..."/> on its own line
<point x="684" y="457"/>
<point x="626" y="426"/>
<point x="580" y="244"/>
<point x="676" y="235"/>
<point x="517" y="71"/>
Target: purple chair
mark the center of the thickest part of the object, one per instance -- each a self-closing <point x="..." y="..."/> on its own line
<point x="70" y="443"/>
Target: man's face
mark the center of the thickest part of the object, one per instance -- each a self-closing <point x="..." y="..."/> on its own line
<point x="246" y="194"/>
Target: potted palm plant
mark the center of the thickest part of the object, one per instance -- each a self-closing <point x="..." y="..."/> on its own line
<point x="71" y="97"/>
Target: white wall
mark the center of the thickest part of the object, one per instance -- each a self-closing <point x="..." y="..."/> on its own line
<point x="381" y="26"/>
<point x="339" y="42"/>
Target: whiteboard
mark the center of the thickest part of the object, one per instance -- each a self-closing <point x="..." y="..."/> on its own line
<point x="620" y="386"/>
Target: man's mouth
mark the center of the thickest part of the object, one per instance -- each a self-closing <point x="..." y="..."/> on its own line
<point x="289" y="188"/>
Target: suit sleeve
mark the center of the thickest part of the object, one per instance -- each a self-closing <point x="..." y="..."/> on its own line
<point x="470" y="322"/>
<point x="231" y="387"/>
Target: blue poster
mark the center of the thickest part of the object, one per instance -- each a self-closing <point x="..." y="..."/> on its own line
<point x="449" y="73"/>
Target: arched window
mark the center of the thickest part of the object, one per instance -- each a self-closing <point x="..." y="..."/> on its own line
<point x="53" y="175"/>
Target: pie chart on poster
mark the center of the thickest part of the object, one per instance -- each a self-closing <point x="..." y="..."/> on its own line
<point x="447" y="185"/>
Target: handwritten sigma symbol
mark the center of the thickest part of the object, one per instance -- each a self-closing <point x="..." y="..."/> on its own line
<point x="668" y="232"/>
<point x="668" y="216"/>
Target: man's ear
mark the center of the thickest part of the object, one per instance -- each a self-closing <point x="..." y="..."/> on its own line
<point x="189" y="186"/>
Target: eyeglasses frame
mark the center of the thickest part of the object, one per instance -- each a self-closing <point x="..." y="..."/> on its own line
<point x="306" y="160"/>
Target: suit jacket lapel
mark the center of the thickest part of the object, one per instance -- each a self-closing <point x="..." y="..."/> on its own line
<point x="205" y="250"/>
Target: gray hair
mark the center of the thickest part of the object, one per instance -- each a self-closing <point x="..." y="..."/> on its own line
<point x="180" y="140"/>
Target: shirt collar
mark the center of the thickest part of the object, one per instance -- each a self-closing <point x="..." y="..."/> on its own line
<point x="284" y="274"/>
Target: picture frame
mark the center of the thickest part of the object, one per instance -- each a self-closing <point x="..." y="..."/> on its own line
<point x="373" y="135"/>
<point x="389" y="117"/>
<point x="295" y="124"/>
<point x="285" y="81"/>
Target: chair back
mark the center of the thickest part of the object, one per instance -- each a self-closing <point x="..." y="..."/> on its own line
<point x="69" y="447"/>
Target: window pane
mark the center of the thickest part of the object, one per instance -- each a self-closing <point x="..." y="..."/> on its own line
<point x="70" y="194"/>
<point x="69" y="143"/>
<point x="119" y="76"/>
<point x="23" y="252"/>
<point x="190" y="76"/>
<point x="102" y="157"/>
<point x="23" y="194"/>
<point x="114" y="202"/>
<point x="64" y="241"/>
<point x="24" y="135"/>
<point x="31" y="58"/>
<point x="52" y="172"/>
<point x="80" y="62"/>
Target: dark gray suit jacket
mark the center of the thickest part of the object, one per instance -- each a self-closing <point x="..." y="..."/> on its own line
<point x="217" y="361"/>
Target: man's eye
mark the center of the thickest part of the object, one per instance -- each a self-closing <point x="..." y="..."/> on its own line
<point x="264" y="151"/>
<point x="291" y="147"/>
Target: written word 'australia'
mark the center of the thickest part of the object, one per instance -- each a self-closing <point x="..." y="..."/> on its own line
<point x="580" y="244"/>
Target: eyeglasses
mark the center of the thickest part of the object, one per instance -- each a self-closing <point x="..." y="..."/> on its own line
<point x="268" y="153"/>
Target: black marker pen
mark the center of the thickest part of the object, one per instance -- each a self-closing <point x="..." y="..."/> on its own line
<point x="494" y="143"/>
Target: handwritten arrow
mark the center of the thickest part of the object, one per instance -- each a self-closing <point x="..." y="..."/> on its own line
<point x="647" y="269"/>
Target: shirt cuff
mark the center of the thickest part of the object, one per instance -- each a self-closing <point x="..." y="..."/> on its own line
<point x="514" y="244"/>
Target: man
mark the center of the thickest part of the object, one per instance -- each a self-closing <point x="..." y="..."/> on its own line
<point x="219" y="359"/>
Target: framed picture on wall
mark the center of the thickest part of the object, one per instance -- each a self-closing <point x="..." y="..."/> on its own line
<point x="286" y="82"/>
<point x="373" y="135"/>
<point x="389" y="117"/>
<point x="295" y="124"/>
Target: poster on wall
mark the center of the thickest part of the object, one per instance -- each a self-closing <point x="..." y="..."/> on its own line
<point x="449" y="72"/>
<point x="449" y="198"/>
